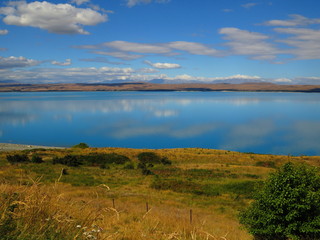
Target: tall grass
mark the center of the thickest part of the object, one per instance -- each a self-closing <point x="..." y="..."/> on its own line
<point x="50" y="212"/>
<point x="215" y="184"/>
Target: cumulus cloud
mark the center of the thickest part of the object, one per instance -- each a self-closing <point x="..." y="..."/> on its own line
<point x="80" y="75"/>
<point x="66" y="63"/>
<point x="12" y="69"/>
<point x="55" y="18"/>
<point x="305" y="42"/>
<point x="17" y="62"/>
<point x="79" y="2"/>
<point x="121" y="55"/>
<point x="101" y="60"/>
<point x="4" y="32"/>
<point x="132" y="3"/>
<point x="242" y="42"/>
<point x="237" y="77"/>
<point x="124" y="49"/>
<point x="137" y="47"/>
<point x="163" y="65"/>
<point x="296" y="20"/>
<point x="193" y="48"/>
<point x="249" y="5"/>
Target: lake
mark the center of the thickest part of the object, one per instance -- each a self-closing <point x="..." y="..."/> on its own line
<point x="277" y="123"/>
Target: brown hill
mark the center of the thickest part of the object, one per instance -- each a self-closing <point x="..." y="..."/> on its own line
<point x="254" y="87"/>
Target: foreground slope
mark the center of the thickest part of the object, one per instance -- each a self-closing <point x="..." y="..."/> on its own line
<point x="197" y="196"/>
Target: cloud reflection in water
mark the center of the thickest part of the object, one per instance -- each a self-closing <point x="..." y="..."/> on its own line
<point x="257" y="122"/>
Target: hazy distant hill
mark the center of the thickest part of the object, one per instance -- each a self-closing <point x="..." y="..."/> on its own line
<point x="136" y="86"/>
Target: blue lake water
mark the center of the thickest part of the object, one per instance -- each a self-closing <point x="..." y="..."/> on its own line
<point x="277" y="123"/>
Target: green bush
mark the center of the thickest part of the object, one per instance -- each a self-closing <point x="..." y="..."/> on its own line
<point x="183" y="186"/>
<point x="68" y="160"/>
<point x="94" y="159"/>
<point x="36" y="159"/>
<point x="18" y="158"/>
<point x="98" y="159"/>
<point x="81" y="145"/>
<point x="152" y="158"/>
<point x="269" y="164"/>
<point x="129" y="165"/>
<point x="287" y="207"/>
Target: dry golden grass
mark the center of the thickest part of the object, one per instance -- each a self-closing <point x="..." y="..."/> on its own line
<point x="34" y="208"/>
<point x="63" y="212"/>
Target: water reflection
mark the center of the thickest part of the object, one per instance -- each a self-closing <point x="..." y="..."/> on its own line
<point x="256" y="122"/>
<point x="249" y="134"/>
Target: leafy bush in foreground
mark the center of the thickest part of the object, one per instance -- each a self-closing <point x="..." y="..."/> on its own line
<point x="287" y="207"/>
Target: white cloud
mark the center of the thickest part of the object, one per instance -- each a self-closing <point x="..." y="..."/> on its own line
<point x="193" y="48"/>
<point x="17" y="62"/>
<point x="4" y="32"/>
<point x="123" y="49"/>
<point x="12" y="68"/>
<point x="121" y="55"/>
<point x="148" y="70"/>
<point x="137" y="47"/>
<point x="249" y="5"/>
<point x="305" y="42"/>
<point x="132" y="3"/>
<point x="242" y="42"/>
<point x="101" y="60"/>
<point x="56" y="18"/>
<point x="71" y="75"/>
<point x="238" y="77"/>
<point x="163" y="65"/>
<point x="79" y="2"/>
<point x="282" y="80"/>
<point x="66" y="63"/>
<point x="296" y="20"/>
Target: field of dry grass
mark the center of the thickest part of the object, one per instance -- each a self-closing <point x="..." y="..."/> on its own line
<point x="199" y="196"/>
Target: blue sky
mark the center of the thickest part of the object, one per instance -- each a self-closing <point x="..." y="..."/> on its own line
<point x="140" y="40"/>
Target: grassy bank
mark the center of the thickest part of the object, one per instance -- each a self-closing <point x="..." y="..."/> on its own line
<point x="197" y="196"/>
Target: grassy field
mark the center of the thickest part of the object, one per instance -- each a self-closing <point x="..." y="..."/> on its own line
<point x="198" y="196"/>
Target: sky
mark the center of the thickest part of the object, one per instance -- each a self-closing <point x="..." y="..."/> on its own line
<point x="92" y="41"/>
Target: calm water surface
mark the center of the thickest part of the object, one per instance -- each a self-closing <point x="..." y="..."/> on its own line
<point x="282" y="123"/>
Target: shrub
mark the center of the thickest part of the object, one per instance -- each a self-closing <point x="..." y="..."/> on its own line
<point x="36" y="159"/>
<point x="269" y="164"/>
<point x="98" y="159"/>
<point x="165" y="161"/>
<point x="149" y="157"/>
<point x="146" y="171"/>
<point x="81" y="145"/>
<point x="287" y="207"/>
<point x="152" y="158"/>
<point x="69" y="160"/>
<point x="129" y="165"/>
<point x="17" y="158"/>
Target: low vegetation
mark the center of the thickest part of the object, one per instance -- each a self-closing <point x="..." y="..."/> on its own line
<point x="118" y="194"/>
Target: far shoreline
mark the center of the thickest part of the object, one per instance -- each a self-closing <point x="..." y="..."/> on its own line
<point x="5" y="147"/>
<point x="157" y="87"/>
